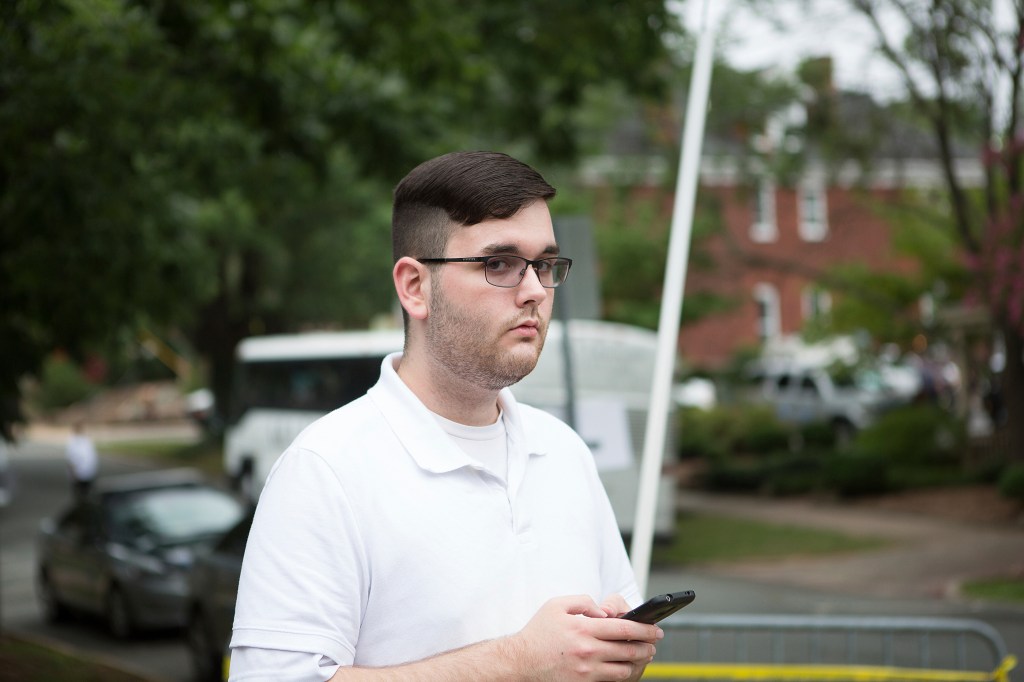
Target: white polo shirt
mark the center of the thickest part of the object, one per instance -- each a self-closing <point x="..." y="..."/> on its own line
<point x="378" y="541"/>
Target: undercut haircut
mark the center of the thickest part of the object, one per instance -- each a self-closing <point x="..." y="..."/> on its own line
<point x="459" y="189"/>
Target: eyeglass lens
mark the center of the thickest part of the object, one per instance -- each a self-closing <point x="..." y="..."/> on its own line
<point x="508" y="271"/>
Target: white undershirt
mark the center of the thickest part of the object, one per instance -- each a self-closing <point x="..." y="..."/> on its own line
<point x="487" y="445"/>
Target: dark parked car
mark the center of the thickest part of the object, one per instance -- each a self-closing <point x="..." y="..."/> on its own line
<point x="213" y="586"/>
<point x="124" y="550"/>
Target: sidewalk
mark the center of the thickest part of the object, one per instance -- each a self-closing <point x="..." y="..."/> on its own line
<point x="926" y="557"/>
<point x="166" y="429"/>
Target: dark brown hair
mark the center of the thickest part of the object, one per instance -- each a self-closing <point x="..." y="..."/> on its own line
<point x="461" y="188"/>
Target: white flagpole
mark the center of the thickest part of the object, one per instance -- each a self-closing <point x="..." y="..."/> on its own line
<point x="672" y="303"/>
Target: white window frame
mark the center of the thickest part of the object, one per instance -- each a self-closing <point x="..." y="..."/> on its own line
<point x="769" y="311"/>
<point x="815" y="302"/>
<point x="765" y="225"/>
<point x="812" y="206"/>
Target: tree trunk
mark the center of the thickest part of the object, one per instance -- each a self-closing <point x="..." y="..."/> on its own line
<point x="1013" y="391"/>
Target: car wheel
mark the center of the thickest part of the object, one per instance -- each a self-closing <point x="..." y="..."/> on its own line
<point x="119" y="616"/>
<point x="206" y="658"/>
<point x="53" y="609"/>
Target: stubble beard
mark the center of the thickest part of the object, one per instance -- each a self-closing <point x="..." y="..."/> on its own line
<point x="460" y="343"/>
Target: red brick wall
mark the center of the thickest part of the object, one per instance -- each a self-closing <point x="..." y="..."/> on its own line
<point x="856" y="234"/>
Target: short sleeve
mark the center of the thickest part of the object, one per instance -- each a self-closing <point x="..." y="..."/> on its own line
<point x="304" y="579"/>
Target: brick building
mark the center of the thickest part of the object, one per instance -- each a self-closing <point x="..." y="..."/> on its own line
<point x="780" y="240"/>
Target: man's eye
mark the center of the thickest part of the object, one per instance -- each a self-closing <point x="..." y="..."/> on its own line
<point x="499" y="264"/>
<point x="542" y="266"/>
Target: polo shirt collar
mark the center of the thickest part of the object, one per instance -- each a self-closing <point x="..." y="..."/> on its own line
<point x="424" y="439"/>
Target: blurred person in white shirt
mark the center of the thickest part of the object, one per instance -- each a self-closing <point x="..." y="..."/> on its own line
<point x="82" y="460"/>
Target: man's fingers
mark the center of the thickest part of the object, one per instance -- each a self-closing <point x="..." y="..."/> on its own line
<point x="581" y="605"/>
<point x="620" y="629"/>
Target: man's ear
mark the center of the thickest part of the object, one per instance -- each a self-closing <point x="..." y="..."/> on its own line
<point x="412" y="283"/>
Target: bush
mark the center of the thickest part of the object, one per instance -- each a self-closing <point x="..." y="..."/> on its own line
<point x="731" y="474"/>
<point x="725" y="430"/>
<point x="703" y="433"/>
<point x="916" y="434"/>
<point x="61" y="383"/>
<point x="776" y="474"/>
<point x="793" y="474"/>
<point x="856" y="474"/>
<point x="818" y="435"/>
<point x="1011" y="483"/>
<point x="760" y="431"/>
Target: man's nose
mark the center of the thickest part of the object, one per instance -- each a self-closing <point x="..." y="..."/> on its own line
<point x="530" y="286"/>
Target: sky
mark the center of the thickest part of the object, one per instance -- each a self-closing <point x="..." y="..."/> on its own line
<point x="794" y="33"/>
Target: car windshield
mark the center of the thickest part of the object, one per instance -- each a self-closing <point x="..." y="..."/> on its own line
<point x="173" y="515"/>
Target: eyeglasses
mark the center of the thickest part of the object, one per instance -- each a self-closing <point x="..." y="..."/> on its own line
<point x="508" y="271"/>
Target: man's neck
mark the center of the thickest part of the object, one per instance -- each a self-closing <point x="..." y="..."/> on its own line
<point x="447" y="395"/>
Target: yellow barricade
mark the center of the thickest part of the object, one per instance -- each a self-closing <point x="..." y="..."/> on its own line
<point x="825" y="673"/>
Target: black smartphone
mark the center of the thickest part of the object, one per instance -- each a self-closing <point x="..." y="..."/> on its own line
<point x="659" y="607"/>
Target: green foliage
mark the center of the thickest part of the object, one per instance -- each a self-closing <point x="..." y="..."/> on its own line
<point x="631" y="279"/>
<point x="758" y="430"/>
<point x="61" y="383"/>
<point x="854" y="474"/>
<point x="818" y="435"/>
<point x="1011" y="482"/>
<point x="731" y="429"/>
<point x="777" y="474"/>
<point x="225" y="168"/>
<point x="914" y="434"/>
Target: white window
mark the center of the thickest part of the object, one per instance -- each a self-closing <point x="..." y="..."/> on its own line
<point x="815" y="303"/>
<point x="813" y="212"/>
<point x="764" y="228"/>
<point x="769" y="316"/>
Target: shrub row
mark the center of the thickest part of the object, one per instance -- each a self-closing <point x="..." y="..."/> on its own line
<point x="746" y="449"/>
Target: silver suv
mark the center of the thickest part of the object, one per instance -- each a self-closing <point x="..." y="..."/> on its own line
<point x="848" y="401"/>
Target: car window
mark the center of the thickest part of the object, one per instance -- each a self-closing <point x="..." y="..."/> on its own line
<point x="172" y="515"/>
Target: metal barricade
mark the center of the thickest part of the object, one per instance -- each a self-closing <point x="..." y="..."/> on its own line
<point x="833" y="648"/>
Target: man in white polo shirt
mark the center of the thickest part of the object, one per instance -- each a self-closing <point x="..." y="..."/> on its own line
<point x="434" y="528"/>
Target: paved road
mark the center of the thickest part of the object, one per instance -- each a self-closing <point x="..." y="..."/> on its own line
<point x="916" y="576"/>
<point x="42" y="490"/>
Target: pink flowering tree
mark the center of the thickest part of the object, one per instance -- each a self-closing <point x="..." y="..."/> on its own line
<point x="961" y="64"/>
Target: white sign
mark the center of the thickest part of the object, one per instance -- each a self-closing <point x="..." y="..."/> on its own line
<point x="603" y="423"/>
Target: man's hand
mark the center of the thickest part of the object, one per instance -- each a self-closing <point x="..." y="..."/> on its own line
<point x="572" y="638"/>
<point x="569" y="638"/>
<point x="614" y="605"/>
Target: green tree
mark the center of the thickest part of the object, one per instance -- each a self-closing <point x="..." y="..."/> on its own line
<point x="962" y="70"/>
<point x="225" y="167"/>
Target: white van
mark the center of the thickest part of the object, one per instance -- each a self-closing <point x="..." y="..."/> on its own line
<point x="285" y="382"/>
<point x="612" y="366"/>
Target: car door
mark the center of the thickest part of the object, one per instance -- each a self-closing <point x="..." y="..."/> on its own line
<point x="808" y="406"/>
<point x="92" y="561"/>
<point x="226" y="566"/>
<point x="71" y="556"/>
<point x="785" y="397"/>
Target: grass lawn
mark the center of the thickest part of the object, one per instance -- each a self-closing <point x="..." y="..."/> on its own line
<point x="25" y="662"/>
<point x="704" y="538"/>
<point x="997" y="589"/>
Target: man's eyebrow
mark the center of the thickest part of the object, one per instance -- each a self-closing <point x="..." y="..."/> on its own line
<point x="494" y="249"/>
